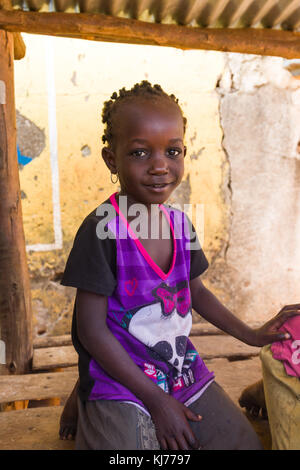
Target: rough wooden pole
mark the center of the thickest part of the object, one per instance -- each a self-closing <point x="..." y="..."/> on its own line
<point x="15" y="297"/>
<point x="100" y="27"/>
<point x="19" y="45"/>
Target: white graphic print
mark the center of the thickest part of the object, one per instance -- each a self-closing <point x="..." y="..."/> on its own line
<point x="166" y="336"/>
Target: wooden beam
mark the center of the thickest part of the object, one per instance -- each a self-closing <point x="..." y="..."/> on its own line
<point x="15" y="297"/>
<point x="19" y="45"/>
<point x="99" y="27"/>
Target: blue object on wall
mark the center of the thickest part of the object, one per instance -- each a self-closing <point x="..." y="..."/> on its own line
<point x="22" y="159"/>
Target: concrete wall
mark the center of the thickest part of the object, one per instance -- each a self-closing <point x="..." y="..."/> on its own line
<point x="260" y="117"/>
<point x="242" y="163"/>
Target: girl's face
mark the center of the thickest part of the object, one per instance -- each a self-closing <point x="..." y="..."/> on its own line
<point x="148" y="152"/>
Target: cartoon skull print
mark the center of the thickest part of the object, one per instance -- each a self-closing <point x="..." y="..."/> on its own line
<point x="164" y="326"/>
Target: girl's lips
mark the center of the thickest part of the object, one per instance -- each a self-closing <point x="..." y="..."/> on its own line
<point x="157" y="187"/>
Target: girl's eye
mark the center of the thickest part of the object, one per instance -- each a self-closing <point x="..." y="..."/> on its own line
<point x="139" y="153"/>
<point x="174" y="152"/>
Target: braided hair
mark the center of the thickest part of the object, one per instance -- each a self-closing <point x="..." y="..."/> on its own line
<point x="143" y="90"/>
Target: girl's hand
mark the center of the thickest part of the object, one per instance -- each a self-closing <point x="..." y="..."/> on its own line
<point x="268" y="333"/>
<point x="173" y="431"/>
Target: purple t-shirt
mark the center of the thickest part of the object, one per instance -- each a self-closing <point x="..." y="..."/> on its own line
<point x="150" y="313"/>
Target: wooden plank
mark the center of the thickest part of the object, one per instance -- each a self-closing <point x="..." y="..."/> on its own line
<point x="48" y="341"/>
<point x="32" y="429"/>
<point x="15" y="295"/>
<point x="52" y="358"/>
<point x="210" y="347"/>
<point x="204" y="328"/>
<point x="100" y="27"/>
<point x="198" y="329"/>
<point x="37" y="386"/>
<point x="37" y="428"/>
<point x="235" y="376"/>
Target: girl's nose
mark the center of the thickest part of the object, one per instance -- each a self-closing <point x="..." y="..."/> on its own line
<point x="159" y="165"/>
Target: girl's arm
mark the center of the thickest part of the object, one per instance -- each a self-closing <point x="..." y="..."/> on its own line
<point x="210" y="308"/>
<point x="169" y="416"/>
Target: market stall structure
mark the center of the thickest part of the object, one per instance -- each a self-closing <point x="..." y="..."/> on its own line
<point x="265" y="27"/>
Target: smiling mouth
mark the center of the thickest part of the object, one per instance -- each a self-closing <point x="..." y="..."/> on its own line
<point x="157" y="185"/>
<point x="157" y="188"/>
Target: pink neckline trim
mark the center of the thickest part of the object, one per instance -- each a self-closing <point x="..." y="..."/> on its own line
<point x="139" y="245"/>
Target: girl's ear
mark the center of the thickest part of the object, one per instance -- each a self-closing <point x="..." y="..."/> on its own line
<point x="110" y="159"/>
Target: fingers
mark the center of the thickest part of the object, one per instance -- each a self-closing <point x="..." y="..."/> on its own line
<point x="163" y="444"/>
<point x="278" y="337"/>
<point x="174" y="432"/>
<point x="192" y="441"/>
<point x="284" y="316"/>
<point x="181" y="442"/>
<point x="192" y="416"/>
<point x="289" y="308"/>
<point x="174" y="443"/>
<point x="184" y="439"/>
<point x="189" y="435"/>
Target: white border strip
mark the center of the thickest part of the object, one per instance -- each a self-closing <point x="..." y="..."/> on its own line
<point x="2" y="92"/>
<point x="58" y="239"/>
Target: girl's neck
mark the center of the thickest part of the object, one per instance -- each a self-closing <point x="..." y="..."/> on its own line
<point x="150" y="220"/>
<point x="130" y="201"/>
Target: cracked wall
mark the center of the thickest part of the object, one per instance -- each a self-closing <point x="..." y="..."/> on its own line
<point x="260" y="118"/>
<point x="86" y="73"/>
<point x="242" y="164"/>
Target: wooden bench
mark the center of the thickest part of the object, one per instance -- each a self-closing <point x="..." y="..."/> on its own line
<point x="235" y="364"/>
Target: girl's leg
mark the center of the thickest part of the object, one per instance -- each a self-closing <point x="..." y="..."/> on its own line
<point x="68" y="419"/>
<point x="223" y="425"/>
<point x="113" y="425"/>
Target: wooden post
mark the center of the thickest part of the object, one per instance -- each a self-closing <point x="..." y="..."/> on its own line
<point x="19" y="45"/>
<point x="15" y="296"/>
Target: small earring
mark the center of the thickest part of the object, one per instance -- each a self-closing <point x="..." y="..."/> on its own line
<point x="111" y="178"/>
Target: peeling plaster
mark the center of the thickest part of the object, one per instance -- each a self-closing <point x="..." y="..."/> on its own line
<point x="74" y="78"/>
<point x="260" y="116"/>
<point x="31" y="138"/>
<point x="196" y="155"/>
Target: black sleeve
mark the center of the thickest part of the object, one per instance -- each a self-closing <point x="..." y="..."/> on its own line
<point x="199" y="263"/>
<point x="91" y="265"/>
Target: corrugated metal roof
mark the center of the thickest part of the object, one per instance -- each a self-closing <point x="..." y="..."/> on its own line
<point x="274" y="14"/>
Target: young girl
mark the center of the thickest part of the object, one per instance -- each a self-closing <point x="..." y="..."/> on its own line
<point x="142" y="384"/>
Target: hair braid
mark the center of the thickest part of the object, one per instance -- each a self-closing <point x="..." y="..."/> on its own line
<point x="143" y="89"/>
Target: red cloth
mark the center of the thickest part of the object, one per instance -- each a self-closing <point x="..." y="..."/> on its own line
<point x="288" y="351"/>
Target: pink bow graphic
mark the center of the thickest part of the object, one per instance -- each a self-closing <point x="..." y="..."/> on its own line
<point x="180" y="300"/>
